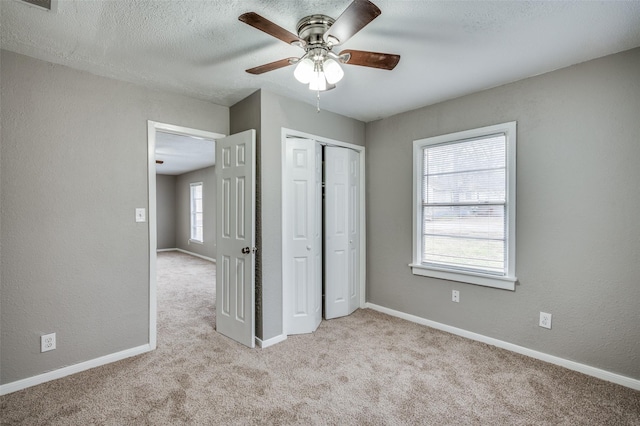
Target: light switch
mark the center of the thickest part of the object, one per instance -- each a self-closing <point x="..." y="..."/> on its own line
<point x="141" y="215"/>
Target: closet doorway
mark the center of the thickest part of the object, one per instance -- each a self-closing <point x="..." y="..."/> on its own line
<point x="323" y="230"/>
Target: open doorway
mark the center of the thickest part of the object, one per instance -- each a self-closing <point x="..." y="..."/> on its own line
<point x="181" y="162"/>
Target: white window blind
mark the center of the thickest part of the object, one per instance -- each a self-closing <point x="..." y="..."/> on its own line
<point x="464" y="203"/>
<point x="196" y="212"/>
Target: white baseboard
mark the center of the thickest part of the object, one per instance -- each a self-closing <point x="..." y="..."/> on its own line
<point x="188" y="252"/>
<point x="71" y="369"/>
<point x="571" y="365"/>
<point x="196" y="255"/>
<point x="270" y="342"/>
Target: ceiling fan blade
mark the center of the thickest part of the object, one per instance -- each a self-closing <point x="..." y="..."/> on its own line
<point x="275" y="30"/>
<point x="353" y="19"/>
<point x="272" y="66"/>
<point x="385" y="61"/>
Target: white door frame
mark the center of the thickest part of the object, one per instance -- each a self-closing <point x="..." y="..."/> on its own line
<point x="152" y="128"/>
<point x="363" y="225"/>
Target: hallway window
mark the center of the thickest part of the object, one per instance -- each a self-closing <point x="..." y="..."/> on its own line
<point x="196" y="212"/>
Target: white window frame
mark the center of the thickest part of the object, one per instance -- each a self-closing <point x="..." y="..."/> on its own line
<point x="506" y="281"/>
<point x="193" y="212"/>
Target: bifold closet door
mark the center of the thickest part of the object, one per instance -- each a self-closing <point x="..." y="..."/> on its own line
<point x="342" y="236"/>
<point x="302" y="228"/>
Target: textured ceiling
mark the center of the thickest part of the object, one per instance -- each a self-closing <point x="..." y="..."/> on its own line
<point x="199" y="48"/>
<point x="181" y="154"/>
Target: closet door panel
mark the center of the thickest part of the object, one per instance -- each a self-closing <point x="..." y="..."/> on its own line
<point x="302" y="239"/>
<point x="338" y="225"/>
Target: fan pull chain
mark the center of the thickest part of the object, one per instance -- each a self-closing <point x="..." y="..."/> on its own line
<point x="318" y="101"/>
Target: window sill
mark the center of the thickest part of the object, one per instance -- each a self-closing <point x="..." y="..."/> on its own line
<point x="505" y="283"/>
<point x="196" y="242"/>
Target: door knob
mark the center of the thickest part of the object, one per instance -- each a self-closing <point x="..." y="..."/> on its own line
<point x="246" y="250"/>
<point x="308" y="248"/>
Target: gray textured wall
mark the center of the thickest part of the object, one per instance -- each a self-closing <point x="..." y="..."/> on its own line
<point x="578" y="201"/>
<point x="74" y="168"/>
<point x="166" y="211"/>
<point x="278" y="112"/>
<point x="183" y="211"/>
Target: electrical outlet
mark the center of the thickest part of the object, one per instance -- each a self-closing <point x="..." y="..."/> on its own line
<point x="545" y="320"/>
<point x="455" y="296"/>
<point x="47" y="342"/>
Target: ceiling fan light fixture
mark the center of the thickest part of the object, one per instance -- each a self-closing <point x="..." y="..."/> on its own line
<point x="304" y="71"/>
<point x="318" y="82"/>
<point x="332" y="71"/>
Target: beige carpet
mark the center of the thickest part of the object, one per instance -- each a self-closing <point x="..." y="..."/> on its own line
<point x="368" y="369"/>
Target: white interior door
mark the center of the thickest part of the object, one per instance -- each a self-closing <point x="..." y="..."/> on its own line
<point x="342" y="235"/>
<point x="235" y="226"/>
<point x="302" y="228"/>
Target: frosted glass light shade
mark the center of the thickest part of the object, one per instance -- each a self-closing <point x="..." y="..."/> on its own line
<point x="304" y="71"/>
<point x="332" y="71"/>
<point x="318" y="82"/>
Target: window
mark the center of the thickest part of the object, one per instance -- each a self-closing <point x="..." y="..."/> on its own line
<point x="196" y="212"/>
<point x="464" y="206"/>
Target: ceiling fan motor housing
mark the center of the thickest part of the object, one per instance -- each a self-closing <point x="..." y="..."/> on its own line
<point x="311" y="29"/>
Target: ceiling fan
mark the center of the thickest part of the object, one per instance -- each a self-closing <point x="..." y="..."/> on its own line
<point x="320" y="67"/>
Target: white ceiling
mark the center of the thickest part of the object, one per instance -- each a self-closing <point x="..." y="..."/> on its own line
<point x="182" y="154"/>
<point x="199" y="48"/>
